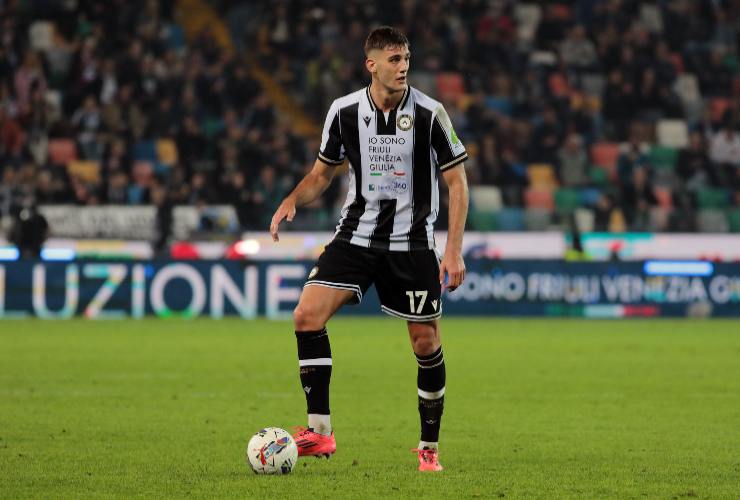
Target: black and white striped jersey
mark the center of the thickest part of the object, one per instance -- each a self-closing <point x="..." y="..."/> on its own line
<point x="394" y="159"/>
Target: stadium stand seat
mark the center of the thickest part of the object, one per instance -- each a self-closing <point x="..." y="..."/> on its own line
<point x="528" y="17"/>
<point x="605" y="155"/>
<point x="145" y="151"/>
<point x="212" y="127"/>
<point x="542" y="175"/>
<point x="482" y="220"/>
<point x="166" y="152"/>
<point x="589" y="196"/>
<point x="539" y="198"/>
<point x="510" y="219"/>
<point x="663" y="157"/>
<point x="665" y="196"/>
<point x="584" y="219"/>
<point x="736" y="86"/>
<point x="617" y="222"/>
<point x="673" y="133"/>
<point x="712" y="221"/>
<point x="543" y="58"/>
<point x="175" y="36"/>
<point x="41" y="35"/>
<point x="501" y="105"/>
<point x="486" y="198"/>
<point x="537" y="219"/>
<point x="62" y="151"/>
<point x="450" y="86"/>
<point x="567" y="200"/>
<point x="713" y="198"/>
<point x="687" y="88"/>
<point x="651" y="18"/>
<point x="599" y="176"/>
<point x="87" y="170"/>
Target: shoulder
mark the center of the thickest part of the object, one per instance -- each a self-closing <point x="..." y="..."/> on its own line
<point x="347" y="100"/>
<point x="425" y="101"/>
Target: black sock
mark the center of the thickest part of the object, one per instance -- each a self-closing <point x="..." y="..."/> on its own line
<point x="431" y="383"/>
<point x="314" y="358"/>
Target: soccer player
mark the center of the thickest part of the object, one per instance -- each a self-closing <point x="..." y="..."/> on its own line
<point x="398" y="142"/>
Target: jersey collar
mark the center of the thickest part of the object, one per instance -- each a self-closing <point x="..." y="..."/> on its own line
<point x="399" y="105"/>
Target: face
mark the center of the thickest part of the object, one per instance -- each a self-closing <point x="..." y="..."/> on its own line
<point x="390" y="66"/>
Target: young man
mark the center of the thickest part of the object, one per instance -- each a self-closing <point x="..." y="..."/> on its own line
<point x="398" y="141"/>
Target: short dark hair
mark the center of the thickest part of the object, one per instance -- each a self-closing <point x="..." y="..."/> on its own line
<point x="385" y="36"/>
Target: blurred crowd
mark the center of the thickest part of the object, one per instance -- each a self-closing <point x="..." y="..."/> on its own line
<point x="154" y="118"/>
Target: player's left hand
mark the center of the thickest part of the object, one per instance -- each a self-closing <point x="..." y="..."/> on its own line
<point x="454" y="266"/>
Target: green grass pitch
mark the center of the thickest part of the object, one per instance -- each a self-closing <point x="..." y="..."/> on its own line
<point x="534" y="409"/>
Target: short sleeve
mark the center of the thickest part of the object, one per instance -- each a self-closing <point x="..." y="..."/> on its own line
<point x="448" y="148"/>
<point x="331" y="151"/>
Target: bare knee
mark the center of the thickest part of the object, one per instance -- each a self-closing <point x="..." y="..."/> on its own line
<point x="424" y="337"/>
<point x="307" y="318"/>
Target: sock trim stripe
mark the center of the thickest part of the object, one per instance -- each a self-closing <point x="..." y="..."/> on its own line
<point x="315" y="362"/>
<point x="432" y="395"/>
<point x="425" y="367"/>
<point x="311" y="335"/>
<point x="429" y="358"/>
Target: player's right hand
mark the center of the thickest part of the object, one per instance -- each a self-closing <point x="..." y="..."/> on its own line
<point x="286" y="210"/>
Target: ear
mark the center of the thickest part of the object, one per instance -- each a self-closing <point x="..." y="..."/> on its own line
<point x="370" y="65"/>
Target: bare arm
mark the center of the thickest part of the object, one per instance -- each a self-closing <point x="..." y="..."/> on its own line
<point x="310" y="188"/>
<point x="452" y="262"/>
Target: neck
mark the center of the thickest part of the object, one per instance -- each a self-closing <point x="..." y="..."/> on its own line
<point x="384" y="98"/>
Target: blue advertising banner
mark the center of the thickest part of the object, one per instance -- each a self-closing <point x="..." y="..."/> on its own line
<point x="492" y="287"/>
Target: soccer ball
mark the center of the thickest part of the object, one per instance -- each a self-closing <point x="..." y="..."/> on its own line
<point x="272" y="450"/>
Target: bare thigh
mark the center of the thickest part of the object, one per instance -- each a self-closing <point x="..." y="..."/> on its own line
<point x="317" y="304"/>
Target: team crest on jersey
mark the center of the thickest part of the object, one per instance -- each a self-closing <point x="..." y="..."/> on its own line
<point x="405" y="122"/>
<point x="313" y="272"/>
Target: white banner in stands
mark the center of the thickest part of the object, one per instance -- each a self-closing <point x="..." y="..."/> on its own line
<point x="136" y="222"/>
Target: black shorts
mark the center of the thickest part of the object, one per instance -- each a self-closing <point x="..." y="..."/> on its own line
<point x="407" y="282"/>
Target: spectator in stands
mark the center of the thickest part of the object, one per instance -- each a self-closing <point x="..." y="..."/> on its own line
<point x="633" y="157"/>
<point x="577" y="51"/>
<point x="87" y="121"/>
<point x="724" y="151"/>
<point x="12" y="139"/>
<point x="147" y="85"/>
<point x="693" y="166"/>
<point x="163" y="219"/>
<point x="30" y="230"/>
<point x="31" y="72"/>
<point x="268" y="193"/>
<point x="573" y="162"/>
<point x="547" y="137"/>
<point x="603" y="212"/>
<point x="619" y="103"/>
<point x="638" y="197"/>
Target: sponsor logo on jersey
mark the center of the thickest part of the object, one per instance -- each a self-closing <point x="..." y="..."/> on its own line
<point x="395" y="186"/>
<point x="366" y="119"/>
